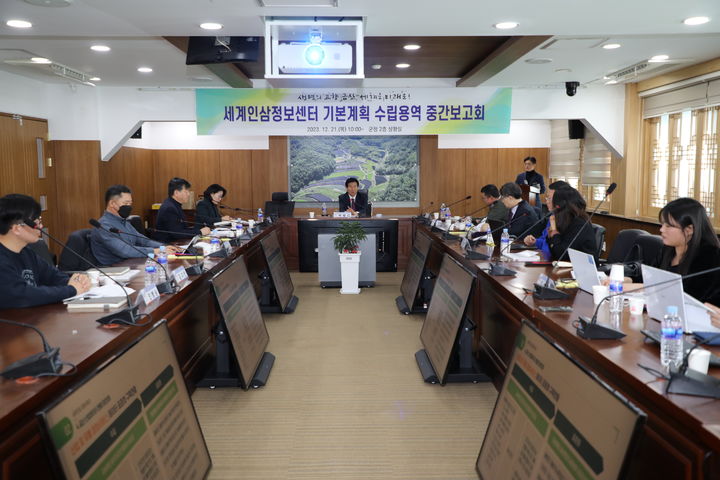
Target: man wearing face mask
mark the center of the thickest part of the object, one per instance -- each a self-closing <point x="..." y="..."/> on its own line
<point x="107" y="247"/>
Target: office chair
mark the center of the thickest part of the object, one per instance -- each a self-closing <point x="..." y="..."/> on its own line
<point x="42" y="251"/>
<point x="79" y="241"/>
<point x="599" y="231"/>
<point x="279" y="206"/>
<point x="137" y="223"/>
<point x="650" y="247"/>
<point x="623" y="244"/>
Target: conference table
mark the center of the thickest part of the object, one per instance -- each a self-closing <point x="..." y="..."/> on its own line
<point x="191" y="313"/>
<point x="681" y="439"/>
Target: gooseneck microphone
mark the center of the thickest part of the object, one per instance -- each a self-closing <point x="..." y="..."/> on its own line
<point x="126" y="316"/>
<point x="168" y="286"/>
<point x="588" y="328"/>
<point x="458" y="201"/>
<point x="495" y="268"/>
<point x="479" y="210"/>
<point x="609" y="190"/>
<point x="542" y="219"/>
<point x="45" y="363"/>
<point x="237" y="209"/>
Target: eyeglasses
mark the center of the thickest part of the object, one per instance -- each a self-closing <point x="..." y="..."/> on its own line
<point x="36" y="224"/>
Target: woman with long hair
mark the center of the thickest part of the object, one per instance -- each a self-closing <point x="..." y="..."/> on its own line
<point x="570" y="218"/>
<point x="690" y="245"/>
<point x="206" y="211"/>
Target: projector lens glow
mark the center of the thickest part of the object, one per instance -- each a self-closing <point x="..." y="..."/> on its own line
<point x="314" y="55"/>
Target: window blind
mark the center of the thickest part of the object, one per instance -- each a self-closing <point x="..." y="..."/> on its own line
<point x="596" y="161"/>
<point x="686" y="98"/>
<point x="564" y="153"/>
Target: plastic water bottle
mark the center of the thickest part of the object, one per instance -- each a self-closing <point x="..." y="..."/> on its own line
<point x="504" y="241"/>
<point x="150" y="271"/>
<point x="324" y="210"/>
<point x="260" y="215"/>
<point x="616" y="288"/>
<point x="162" y="268"/>
<point x="215" y="243"/>
<point x="489" y="240"/>
<point x="238" y="230"/>
<point x="671" y="340"/>
<point x="442" y="211"/>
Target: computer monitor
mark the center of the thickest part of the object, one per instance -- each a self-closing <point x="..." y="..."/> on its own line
<point x="119" y="421"/>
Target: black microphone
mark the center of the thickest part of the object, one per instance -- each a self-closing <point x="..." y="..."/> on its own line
<point x="458" y="201"/>
<point x="609" y="190"/>
<point x="168" y="286"/>
<point x="126" y="316"/>
<point x="237" y="209"/>
<point x="588" y="328"/>
<point x="690" y="382"/>
<point x="479" y="210"/>
<point x="44" y="363"/>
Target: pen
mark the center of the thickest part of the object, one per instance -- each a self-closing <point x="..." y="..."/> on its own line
<point x="184" y="257"/>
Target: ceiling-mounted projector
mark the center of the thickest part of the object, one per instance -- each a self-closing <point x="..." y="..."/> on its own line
<point x="319" y="58"/>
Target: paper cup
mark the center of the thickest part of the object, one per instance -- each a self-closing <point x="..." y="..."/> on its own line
<point x="600" y="292"/>
<point x="436" y="215"/>
<point x="94" y="276"/>
<point x="699" y="360"/>
<point x="311" y="214"/>
<point x="636" y="304"/>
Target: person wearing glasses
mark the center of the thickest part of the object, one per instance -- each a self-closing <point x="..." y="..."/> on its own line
<point x="690" y="245"/>
<point x="26" y="280"/>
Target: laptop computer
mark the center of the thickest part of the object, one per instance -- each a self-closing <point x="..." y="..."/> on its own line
<point x="584" y="268"/>
<point x="694" y="314"/>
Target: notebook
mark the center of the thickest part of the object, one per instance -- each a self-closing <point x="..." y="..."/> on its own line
<point x="100" y="304"/>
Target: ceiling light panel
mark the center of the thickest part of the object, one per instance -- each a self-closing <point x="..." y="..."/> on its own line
<point x="299" y="3"/>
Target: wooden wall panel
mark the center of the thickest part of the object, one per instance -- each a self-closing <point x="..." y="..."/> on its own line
<point x="482" y="167"/>
<point x="269" y="171"/>
<point x="138" y="174"/>
<point x="169" y="164"/>
<point x="451" y="179"/>
<point x="236" y="173"/>
<point x="429" y="172"/>
<point x="77" y="177"/>
<point x="203" y="170"/>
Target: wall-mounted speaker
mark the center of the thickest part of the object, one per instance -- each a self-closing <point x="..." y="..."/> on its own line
<point x="576" y="129"/>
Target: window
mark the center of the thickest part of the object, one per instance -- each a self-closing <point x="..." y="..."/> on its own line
<point x="681" y="159"/>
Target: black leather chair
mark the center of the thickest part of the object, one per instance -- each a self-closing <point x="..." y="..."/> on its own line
<point x="650" y="247"/>
<point x="137" y="223"/>
<point x="279" y="206"/>
<point x="599" y="231"/>
<point x="623" y="244"/>
<point x="42" y="251"/>
<point x="79" y="241"/>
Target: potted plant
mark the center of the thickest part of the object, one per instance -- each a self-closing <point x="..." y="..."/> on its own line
<point x="346" y="242"/>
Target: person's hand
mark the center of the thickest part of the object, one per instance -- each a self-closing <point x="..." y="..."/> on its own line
<point x="529" y="240"/>
<point x="80" y="282"/>
<point x="714" y="313"/>
<point x="172" y="249"/>
<point x="205" y="230"/>
<point x="484" y="227"/>
<point x="352" y="212"/>
<point x="226" y="218"/>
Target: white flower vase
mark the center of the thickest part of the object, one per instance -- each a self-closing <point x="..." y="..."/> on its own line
<point x="350" y="270"/>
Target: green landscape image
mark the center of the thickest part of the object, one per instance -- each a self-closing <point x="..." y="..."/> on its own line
<point x="385" y="166"/>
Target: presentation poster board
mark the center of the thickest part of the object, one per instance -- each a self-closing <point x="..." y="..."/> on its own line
<point x="278" y="269"/>
<point x="556" y="420"/>
<point x="241" y="312"/>
<point x="444" y="316"/>
<point x="131" y="419"/>
<point x="415" y="267"/>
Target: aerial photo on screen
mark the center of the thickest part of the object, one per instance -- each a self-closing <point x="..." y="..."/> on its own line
<point x="385" y="166"/>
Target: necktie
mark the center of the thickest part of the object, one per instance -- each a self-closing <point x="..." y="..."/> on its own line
<point x="510" y="215"/>
<point x="352" y="203"/>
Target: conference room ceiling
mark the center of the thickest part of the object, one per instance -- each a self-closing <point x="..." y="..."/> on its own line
<point x="455" y="37"/>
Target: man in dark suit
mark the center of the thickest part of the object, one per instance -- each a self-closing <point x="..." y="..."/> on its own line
<point x="532" y="178"/>
<point x="354" y="200"/>
<point x="171" y="217"/>
<point x="520" y="213"/>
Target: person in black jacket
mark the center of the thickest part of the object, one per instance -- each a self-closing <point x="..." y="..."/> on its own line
<point x="690" y="246"/>
<point x="531" y="177"/>
<point x="206" y="210"/>
<point x="570" y="217"/>
<point x="520" y="215"/>
<point x="354" y="200"/>
<point x="26" y="280"/>
<point x="171" y="217"/>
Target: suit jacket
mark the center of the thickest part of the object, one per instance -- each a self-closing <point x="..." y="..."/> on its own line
<point x="207" y="213"/>
<point x="498" y="211"/>
<point x="172" y="218"/>
<point x="361" y="202"/>
<point x="522" y="224"/>
<point x="521" y="180"/>
<point x="585" y="242"/>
